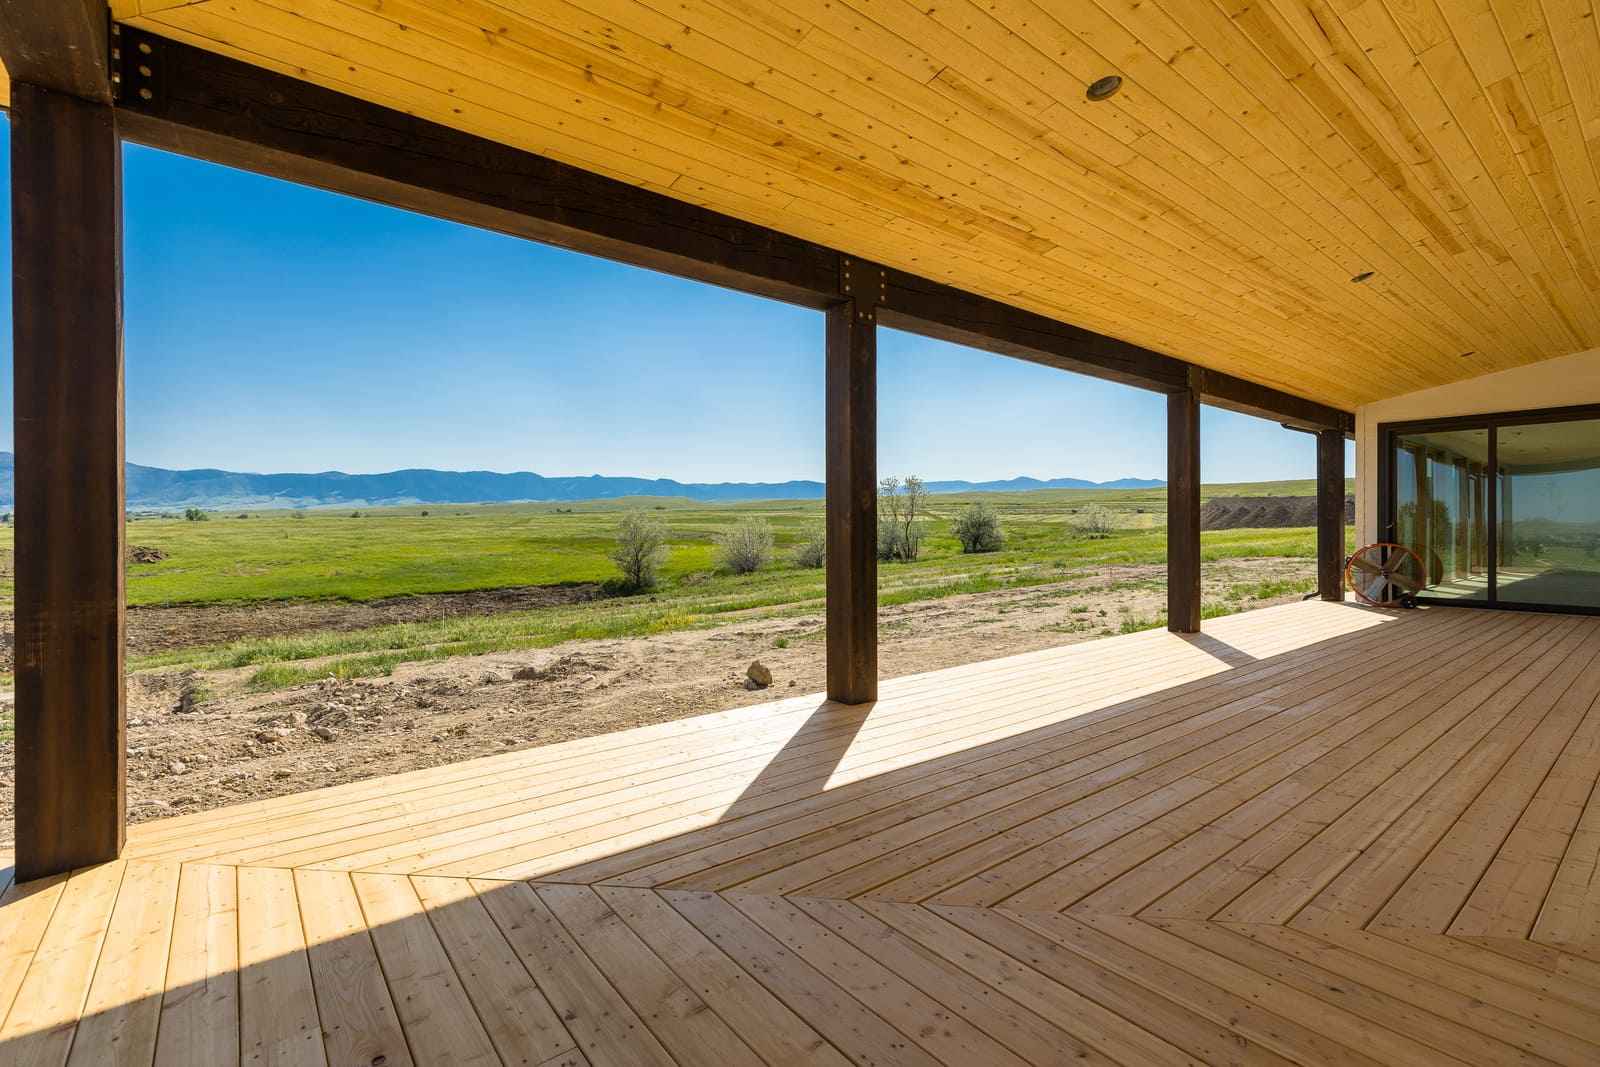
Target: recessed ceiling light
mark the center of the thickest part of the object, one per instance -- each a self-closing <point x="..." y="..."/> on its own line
<point x="1363" y="276"/>
<point x="1464" y="355"/>
<point x="1104" y="88"/>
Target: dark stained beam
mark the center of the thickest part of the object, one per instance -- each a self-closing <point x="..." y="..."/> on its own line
<point x="215" y="108"/>
<point x="1330" y="515"/>
<point x="1183" y="511"/>
<point x="66" y="231"/>
<point x="852" y="504"/>
<point x="931" y="309"/>
<point x="58" y="45"/>
<point x="1247" y="397"/>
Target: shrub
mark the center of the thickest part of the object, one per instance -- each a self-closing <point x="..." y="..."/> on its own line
<point x="641" y="546"/>
<point x="813" y="551"/>
<point x="195" y="515"/>
<point x="978" y="529"/>
<point x="745" y="547"/>
<point x="892" y="544"/>
<point x="1096" y="521"/>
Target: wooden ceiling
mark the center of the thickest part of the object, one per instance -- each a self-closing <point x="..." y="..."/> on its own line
<point x="1259" y="155"/>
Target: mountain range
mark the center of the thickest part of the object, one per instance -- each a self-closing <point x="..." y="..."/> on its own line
<point x="155" y="488"/>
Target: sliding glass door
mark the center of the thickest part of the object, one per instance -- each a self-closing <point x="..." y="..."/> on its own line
<point x="1549" y="514"/>
<point x="1500" y="509"/>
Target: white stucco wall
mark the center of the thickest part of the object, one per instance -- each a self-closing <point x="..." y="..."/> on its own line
<point x="1561" y="382"/>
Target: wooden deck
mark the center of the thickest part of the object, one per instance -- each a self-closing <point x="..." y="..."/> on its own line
<point x="1316" y="834"/>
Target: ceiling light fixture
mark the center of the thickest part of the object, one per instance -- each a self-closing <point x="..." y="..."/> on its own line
<point x="1104" y="88"/>
<point x="1363" y="276"/>
<point x="1466" y="355"/>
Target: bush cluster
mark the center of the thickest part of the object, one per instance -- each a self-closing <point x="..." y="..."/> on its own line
<point x="813" y="551"/>
<point x="978" y="529"/>
<point x="746" y="547"/>
<point x="1095" y="521"/>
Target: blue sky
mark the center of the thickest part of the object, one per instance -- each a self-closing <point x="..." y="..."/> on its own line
<point x="272" y="327"/>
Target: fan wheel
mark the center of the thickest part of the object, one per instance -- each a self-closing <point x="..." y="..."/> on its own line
<point x="1385" y="575"/>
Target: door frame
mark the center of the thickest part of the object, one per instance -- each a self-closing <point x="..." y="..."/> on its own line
<point x="1389" y="432"/>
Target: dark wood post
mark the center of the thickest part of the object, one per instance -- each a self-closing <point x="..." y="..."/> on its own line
<point x="852" y="506"/>
<point x="1330" y="515"/>
<point x="1183" y="511"/>
<point x="66" y="212"/>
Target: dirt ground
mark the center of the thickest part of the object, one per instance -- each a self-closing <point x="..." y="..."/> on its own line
<point x="163" y="629"/>
<point x="185" y="756"/>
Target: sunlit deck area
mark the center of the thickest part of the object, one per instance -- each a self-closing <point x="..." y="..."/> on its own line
<point x="1315" y="834"/>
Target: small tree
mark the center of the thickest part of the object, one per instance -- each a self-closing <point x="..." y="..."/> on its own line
<point x="746" y="547"/>
<point x="978" y="529"/>
<point x="195" y="515"/>
<point x="641" y="546"/>
<point x="813" y="551"/>
<point x="900" y="503"/>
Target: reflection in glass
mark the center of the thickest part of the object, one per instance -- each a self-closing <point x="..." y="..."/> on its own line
<point x="1549" y="513"/>
<point x="1441" y="513"/>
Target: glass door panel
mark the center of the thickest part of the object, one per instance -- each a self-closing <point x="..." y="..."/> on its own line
<point x="1549" y="513"/>
<point x="1441" y="509"/>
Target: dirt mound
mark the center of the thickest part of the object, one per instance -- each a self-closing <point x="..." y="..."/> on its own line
<point x="562" y="668"/>
<point x="145" y="554"/>
<point x="1265" y="512"/>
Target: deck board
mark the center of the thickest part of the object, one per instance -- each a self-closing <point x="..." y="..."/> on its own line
<point x="1258" y="845"/>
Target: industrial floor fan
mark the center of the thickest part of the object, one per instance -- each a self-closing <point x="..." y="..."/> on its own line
<point x="1385" y="575"/>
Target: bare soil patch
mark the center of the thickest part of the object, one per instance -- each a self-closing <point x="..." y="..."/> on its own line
<point x="188" y="755"/>
<point x="168" y="628"/>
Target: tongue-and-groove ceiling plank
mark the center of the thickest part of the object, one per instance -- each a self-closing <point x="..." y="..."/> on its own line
<point x="1259" y="155"/>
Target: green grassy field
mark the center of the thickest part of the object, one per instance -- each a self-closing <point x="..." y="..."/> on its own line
<point x="325" y="554"/>
<point x="333" y="555"/>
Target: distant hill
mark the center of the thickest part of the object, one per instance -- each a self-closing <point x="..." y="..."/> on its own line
<point x="155" y="487"/>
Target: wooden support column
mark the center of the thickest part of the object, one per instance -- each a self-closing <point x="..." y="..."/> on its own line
<point x="1183" y="511"/>
<point x="1330" y="515"/>
<point x="66" y="226"/>
<point x="852" y="505"/>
